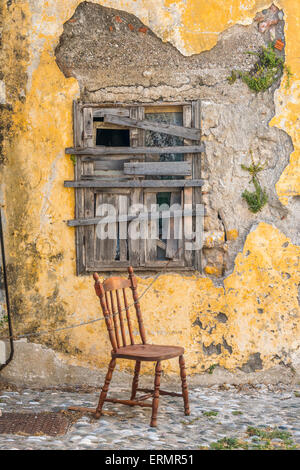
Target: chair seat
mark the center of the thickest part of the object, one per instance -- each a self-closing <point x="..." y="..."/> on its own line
<point x="148" y="352"/>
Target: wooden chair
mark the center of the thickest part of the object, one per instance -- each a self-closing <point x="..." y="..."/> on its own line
<point x="110" y="296"/>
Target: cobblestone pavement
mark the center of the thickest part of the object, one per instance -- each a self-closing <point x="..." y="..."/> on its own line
<point x="235" y="408"/>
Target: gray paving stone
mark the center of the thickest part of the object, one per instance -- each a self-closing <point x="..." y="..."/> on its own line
<point x="128" y="428"/>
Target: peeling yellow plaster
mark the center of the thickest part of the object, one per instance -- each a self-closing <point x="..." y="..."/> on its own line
<point x="288" y="102"/>
<point x="259" y="298"/>
<point x="232" y="234"/>
<point x="258" y="301"/>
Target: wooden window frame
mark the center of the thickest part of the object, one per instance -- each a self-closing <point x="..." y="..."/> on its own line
<point x="86" y="184"/>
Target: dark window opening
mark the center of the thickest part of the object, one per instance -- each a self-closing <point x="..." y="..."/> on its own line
<point x="113" y="137"/>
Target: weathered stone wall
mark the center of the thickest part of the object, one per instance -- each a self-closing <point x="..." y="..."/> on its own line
<point x="243" y="312"/>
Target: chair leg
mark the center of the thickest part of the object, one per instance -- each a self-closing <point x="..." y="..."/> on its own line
<point x="135" y="380"/>
<point x="155" y="401"/>
<point x="105" y="388"/>
<point x="185" y="392"/>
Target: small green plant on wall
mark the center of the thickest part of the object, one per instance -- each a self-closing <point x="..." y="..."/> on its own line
<point x="258" y="198"/>
<point x="268" y="68"/>
<point x="73" y="159"/>
<point x="3" y="321"/>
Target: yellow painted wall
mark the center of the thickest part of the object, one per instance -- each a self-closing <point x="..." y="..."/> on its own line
<point x="42" y="247"/>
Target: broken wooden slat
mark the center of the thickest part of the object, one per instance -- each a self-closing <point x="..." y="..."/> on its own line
<point x="158" y="168"/>
<point x="180" y="131"/>
<point x="102" y="150"/>
<point x="116" y="183"/>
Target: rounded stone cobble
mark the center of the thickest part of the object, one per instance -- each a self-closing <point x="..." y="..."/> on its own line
<point x="235" y="409"/>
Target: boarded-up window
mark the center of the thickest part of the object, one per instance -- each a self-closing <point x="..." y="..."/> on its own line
<point x="132" y="164"/>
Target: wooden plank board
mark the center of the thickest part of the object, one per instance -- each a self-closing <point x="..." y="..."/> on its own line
<point x="162" y="264"/>
<point x="188" y="193"/>
<point x="103" y="150"/>
<point x="119" y="104"/>
<point x="158" y="168"/>
<point x="113" y="183"/>
<point x="197" y="195"/>
<point x="121" y="266"/>
<point x="174" y="246"/>
<point x="169" y="108"/>
<point x="125" y="217"/>
<point x="123" y="232"/>
<point x="151" y="241"/>
<point x="136" y="246"/>
<point x="89" y="231"/>
<point x="110" y="164"/>
<point x="82" y="222"/>
<point x="79" y="203"/>
<point x="112" y="111"/>
<point x="88" y="126"/>
<point x="106" y="248"/>
<point x="97" y="219"/>
<point x="171" y="129"/>
<point x="188" y="226"/>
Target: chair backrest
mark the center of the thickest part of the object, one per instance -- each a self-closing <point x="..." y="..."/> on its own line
<point x="114" y="304"/>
